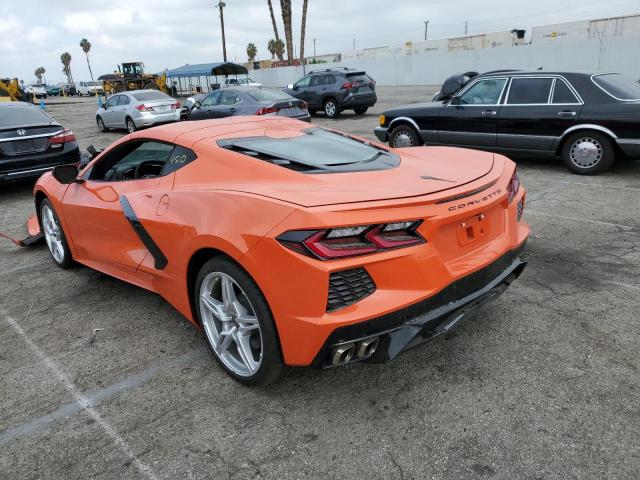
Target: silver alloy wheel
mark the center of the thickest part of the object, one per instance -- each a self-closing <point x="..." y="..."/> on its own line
<point x="100" y="124"/>
<point x="52" y="233"/>
<point x="403" y="139"/>
<point x="585" y="152"/>
<point x="231" y="324"/>
<point x="330" y="108"/>
<point x="131" y="126"/>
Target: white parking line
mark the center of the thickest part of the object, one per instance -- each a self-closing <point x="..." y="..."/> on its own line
<point x="599" y="185"/>
<point x="574" y="219"/>
<point x="142" y="467"/>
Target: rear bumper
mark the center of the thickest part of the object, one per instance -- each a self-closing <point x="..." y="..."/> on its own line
<point x="382" y="133"/>
<point x="412" y="325"/>
<point x="366" y="100"/>
<point x="148" y="119"/>
<point x="35" y="165"/>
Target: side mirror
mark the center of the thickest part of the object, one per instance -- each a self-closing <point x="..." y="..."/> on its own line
<point x="104" y="106"/>
<point x="290" y="86"/>
<point x="197" y="104"/>
<point x="454" y="101"/>
<point x="65" y="174"/>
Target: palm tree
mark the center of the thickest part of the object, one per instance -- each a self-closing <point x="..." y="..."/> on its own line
<point x="252" y="51"/>
<point x="65" y="58"/>
<point x="86" y="46"/>
<point x="303" y="28"/>
<point x="271" y="46"/>
<point x="285" y="6"/>
<point x="279" y="48"/>
<point x="275" y="28"/>
<point x="39" y="73"/>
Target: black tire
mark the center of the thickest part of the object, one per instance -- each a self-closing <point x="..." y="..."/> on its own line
<point x="600" y="152"/>
<point x="101" y="125"/>
<point x="272" y="365"/>
<point x="360" y="110"/>
<point x="404" y="135"/>
<point x="131" y="125"/>
<point x="66" y="260"/>
<point x="331" y="108"/>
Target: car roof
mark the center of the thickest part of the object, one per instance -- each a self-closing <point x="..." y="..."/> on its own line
<point x="337" y="70"/>
<point x="498" y="73"/>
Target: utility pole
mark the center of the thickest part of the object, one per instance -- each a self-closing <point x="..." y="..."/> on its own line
<point x="426" y="26"/>
<point x="314" y="49"/>
<point x="221" y="5"/>
<point x="466" y="24"/>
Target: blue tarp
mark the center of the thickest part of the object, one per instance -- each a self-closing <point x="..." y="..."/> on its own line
<point x="206" y="69"/>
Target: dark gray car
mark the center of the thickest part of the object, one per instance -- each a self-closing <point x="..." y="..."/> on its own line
<point x="248" y="101"/>
<point x="334" y="90"/>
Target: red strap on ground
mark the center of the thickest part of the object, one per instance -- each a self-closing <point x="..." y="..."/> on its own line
<point x="16" y="242"/>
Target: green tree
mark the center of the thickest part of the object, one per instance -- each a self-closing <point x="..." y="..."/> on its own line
<point x="65" y="58"/>
<point x="39" y="73"/>
<point x="86" y="46"/>
<point x="252" y="51"/>
<point x="271" y="46"/>
<point x="280" y="48"/>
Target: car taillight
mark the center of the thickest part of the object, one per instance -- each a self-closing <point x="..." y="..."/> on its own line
<point x="65" y="136"/>
<point x="344" y="242"/>
<point x="266" y="110"/>
<point x="348" y="85"/>
<point x="514" y="185"/>
<point x="176" y="105"/>
<point x="144" y="108"/>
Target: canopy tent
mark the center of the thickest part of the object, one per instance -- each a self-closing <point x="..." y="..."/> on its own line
<point x="207" y="69"/>
<point x="193" y="74"/>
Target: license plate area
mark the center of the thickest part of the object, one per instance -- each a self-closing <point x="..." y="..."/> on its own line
<point x="473" y="229"/>
<point x="24" y="146"/>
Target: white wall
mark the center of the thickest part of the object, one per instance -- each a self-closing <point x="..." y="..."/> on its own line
<point x="431" y="68"/>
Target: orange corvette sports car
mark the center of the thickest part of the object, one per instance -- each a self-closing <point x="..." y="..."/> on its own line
<point x="290" y="244"/>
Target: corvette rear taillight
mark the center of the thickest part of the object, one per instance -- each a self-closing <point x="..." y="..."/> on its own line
<point x="352" y="241"/>
<point x="64" y="136"/>
<point x="514" y="185"/>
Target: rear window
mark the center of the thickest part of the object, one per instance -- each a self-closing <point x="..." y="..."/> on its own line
<point x="618" y="86"/>
<point x="150" y="96"/>
<point x="19" y="116"/>
<point x="359" y="77"/>
<point x="268" y="95"/>
<point x="315" y="151"/>
<point x="563" y="94"/>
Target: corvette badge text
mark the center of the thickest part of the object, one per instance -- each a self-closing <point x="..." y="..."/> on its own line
<point x="472" y="203"/>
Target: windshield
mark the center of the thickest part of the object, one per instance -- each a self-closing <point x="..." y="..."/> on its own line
<point x="268" y="95"/>
<point x="149" y="96"/>
<point x="316" y="151"/>
<point x="19" y="116"/>
<point x="618" y="86"/>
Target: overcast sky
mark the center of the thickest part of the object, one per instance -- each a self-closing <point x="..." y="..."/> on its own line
<point x="167" y="34"/>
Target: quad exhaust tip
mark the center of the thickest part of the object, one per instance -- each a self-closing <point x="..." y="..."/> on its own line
<point x="347" y="351"/>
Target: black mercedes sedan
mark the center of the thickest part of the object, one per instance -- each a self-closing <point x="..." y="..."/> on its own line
<point x="247" y="100"/>
<point x="587" y="119"/>
<point x="32" y="142"/>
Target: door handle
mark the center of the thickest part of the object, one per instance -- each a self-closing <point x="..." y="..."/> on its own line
<point x="567" y="113"/>
<point x="232" y="109"/>
<point x="487" y="113"/>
